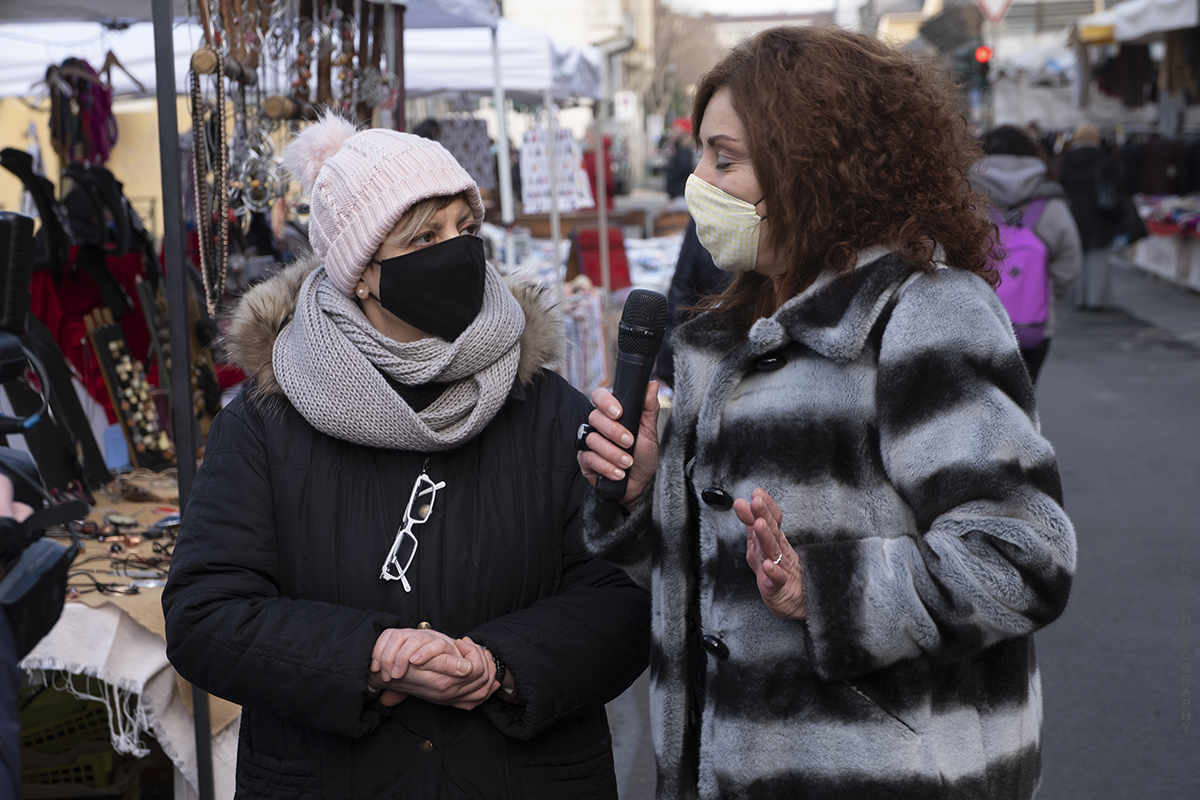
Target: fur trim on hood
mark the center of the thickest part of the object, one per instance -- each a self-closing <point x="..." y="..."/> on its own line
<point x="257" y="319"/>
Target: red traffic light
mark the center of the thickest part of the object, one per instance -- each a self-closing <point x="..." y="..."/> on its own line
<point x="983" y="54"/>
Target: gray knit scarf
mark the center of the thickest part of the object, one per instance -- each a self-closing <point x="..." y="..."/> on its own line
<point x="328" y="362"/>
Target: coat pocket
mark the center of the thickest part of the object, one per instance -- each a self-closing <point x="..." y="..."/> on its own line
<point x="263" y="776"/>
<point x="586" y="774"/>
<point x="874" y="706"/>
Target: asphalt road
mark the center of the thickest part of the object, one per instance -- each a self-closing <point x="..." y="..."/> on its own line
<point x="1120" y="401"/>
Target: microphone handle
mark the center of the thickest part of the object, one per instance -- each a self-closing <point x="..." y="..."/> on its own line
<point x="629" y="388"/>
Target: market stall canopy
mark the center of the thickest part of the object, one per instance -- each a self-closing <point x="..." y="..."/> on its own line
<point x="576" y="71"/>
<point x="458" y="62"/>
<point x="446" y="13"/>
<point x="437" y="61"/>
<point x="86" y="10"/>
<point x="1097" y="28"/>
<point x="28" y="48"/>
<point x="1136" y="19"/>
<point x="419" y="14"/>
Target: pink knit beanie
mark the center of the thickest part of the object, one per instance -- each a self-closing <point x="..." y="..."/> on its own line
<point x="360" y="183"/>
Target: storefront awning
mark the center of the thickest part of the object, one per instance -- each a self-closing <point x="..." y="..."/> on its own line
<point x="1137" y="19"/>
<point x="1096" y="28"/>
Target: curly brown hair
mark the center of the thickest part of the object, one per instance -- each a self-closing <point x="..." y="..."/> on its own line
<point x="855" y="144"/>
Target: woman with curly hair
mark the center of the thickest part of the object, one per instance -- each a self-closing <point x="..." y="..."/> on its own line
<point x="852" y="525"/>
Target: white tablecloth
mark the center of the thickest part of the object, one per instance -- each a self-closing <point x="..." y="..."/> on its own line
<point x="108" y="644"/>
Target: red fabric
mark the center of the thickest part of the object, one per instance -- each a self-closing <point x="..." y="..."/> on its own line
<point x="61" y="308"/>
<point x="587" y="249"/>
<point x="1163" y="228"/>
<point x="589" y="164"/>
<point x="229" y="375"/>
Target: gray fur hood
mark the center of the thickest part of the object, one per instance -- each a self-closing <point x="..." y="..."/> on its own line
<point x="257" y="319"/>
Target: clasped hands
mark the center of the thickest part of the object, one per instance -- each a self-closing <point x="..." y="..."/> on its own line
<point x="432" y="666"/>
<point x="768" y="552"/>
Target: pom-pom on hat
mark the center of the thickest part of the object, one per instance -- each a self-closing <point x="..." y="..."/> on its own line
<point x="360" y="183"/>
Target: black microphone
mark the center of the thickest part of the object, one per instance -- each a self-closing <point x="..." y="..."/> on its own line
<point x="640" y="335"/>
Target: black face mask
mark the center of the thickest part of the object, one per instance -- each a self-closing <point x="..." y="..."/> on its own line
<point x="437" y="289"/>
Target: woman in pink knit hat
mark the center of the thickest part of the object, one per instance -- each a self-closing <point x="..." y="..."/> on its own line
<point x="381" y="560"/>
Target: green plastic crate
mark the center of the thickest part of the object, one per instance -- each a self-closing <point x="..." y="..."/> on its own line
<point x="89" y="764"/>
<point x="54" y="721"/>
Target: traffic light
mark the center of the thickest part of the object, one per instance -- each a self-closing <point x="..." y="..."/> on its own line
<point x="983" y="57"/>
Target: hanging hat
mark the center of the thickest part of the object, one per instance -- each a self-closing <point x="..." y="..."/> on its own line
<point x="360" y="183"/>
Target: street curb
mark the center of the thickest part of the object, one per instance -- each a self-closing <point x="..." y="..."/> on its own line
<point x="1169" y="306"/>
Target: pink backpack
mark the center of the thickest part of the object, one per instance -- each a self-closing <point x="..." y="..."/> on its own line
<point x="1024" y="275"/>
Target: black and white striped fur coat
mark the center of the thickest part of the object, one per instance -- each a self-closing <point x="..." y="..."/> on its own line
<point x="901" y="441"/>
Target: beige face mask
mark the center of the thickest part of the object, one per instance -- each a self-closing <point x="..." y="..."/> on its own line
<point x="726" y="226"/>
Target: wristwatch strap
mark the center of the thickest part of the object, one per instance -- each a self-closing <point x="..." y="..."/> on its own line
<point x="500" y="668"/>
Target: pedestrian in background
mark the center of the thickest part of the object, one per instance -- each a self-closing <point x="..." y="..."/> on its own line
<point x="683" y="158"/>
<point x="1013" y="174"/>
<point x="381" y="560"/>
<point x="1088" y="174"/>
<point x="854" y="526"/>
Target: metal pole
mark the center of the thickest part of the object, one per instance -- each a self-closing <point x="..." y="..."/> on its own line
<point x="177" y="314"/>
<point x="552" y="154"/>
<point x="602" y="180"/>
<point x="503" y="165"/>
<point x="398" y="34"/>
<point x="387" y="117"/>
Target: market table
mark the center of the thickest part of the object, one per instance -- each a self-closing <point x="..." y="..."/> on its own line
<point x="120" y="640"/>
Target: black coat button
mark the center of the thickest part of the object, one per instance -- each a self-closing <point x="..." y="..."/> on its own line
<point x="719" y="499"/>
<point x="770" y="363"/>
<point x="716" y="647"/>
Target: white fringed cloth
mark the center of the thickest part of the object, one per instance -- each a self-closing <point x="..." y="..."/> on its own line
<point x="140" y="687"/>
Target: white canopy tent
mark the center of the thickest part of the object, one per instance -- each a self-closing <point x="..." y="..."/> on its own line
<point x="437" y="61"/>
<point x="1137" y="19"/>
<point x="28" y="48"/>
<point x="533" y="68"/>
<point x="419" y="13"/>
<point x="458" y="61"/>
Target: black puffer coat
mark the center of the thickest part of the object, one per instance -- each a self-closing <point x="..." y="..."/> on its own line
<point x="274" y="599"/>
<point x="1084" y="170"/>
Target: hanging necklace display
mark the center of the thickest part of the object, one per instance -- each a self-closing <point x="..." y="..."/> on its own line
<point x="213" y="265"/>
<point x="347" y="31"/>
<point x="256" y="184"/>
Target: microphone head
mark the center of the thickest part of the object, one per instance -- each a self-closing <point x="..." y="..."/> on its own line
<point x="642" y="323"/>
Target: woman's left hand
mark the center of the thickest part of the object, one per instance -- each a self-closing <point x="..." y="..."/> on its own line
<point x="776" y="565"/>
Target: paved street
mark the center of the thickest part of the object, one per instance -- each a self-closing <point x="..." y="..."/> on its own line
<point x="1120" y="400"/>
